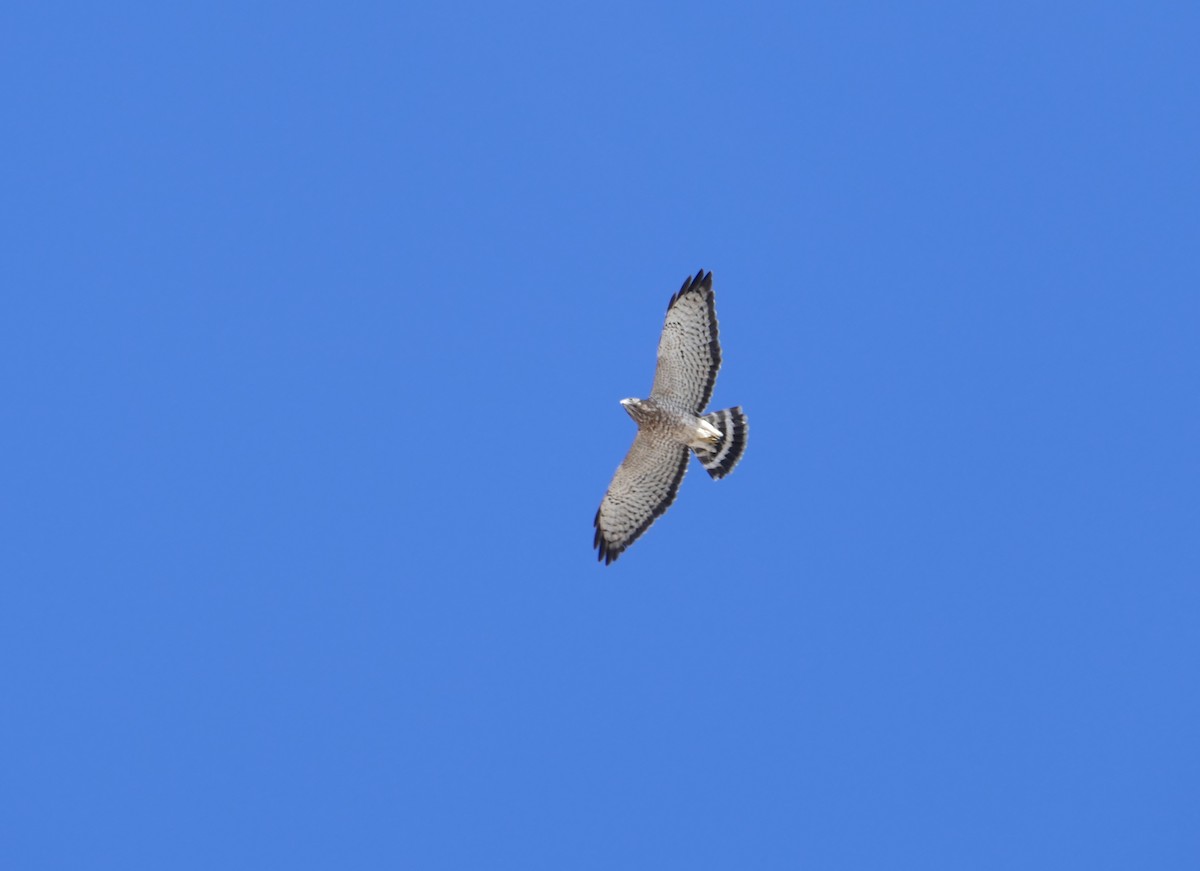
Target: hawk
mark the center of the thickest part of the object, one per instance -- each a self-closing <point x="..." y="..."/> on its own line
<point x="671" y="422"/>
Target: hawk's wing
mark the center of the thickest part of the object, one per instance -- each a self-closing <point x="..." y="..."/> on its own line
<point x="642" y="489"/>
<point x="688" y="353"/>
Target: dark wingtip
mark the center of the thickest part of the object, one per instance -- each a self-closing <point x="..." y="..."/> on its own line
<point x="604" y="551"/>
<point x="700" y="281"/>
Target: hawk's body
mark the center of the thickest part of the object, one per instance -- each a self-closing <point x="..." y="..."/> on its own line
<point x="671" y="422"/>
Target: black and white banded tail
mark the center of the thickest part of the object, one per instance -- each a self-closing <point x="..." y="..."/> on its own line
<point x="719" y="459"/>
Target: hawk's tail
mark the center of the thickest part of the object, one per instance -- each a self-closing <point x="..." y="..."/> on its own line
<point x="720" y="459"/>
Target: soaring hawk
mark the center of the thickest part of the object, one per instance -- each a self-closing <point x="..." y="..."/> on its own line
<point x="671" y="421"/>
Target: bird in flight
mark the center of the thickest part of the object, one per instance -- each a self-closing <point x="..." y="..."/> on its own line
<point x="671" y="422"/>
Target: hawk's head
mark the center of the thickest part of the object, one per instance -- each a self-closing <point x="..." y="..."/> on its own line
<point x="636" y="408"/>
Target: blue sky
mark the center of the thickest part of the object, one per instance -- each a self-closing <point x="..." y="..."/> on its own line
<point x="316" y="323"/>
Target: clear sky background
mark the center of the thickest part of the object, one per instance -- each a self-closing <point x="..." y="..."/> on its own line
<point x="316" y="320"/>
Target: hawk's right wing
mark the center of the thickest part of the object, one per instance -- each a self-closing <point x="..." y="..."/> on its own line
<point x="688" y="353"/>
<point x="643" y="488"/>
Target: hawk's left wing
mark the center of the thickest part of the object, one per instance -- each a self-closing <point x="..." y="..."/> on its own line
<point x="643" y="488"/>
<point x="688" y="353"/>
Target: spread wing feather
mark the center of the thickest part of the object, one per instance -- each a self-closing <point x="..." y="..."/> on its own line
<point x="688" y="352"/>
<point x="644" y="486"/>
